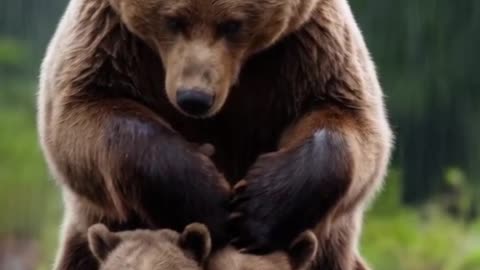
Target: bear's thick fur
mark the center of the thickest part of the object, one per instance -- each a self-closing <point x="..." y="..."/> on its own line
<point x="189" y="250"/>
<point x="284" y="90"/>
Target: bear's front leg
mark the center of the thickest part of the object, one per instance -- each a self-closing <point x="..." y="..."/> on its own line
<point x="290" y="190"/>
<point x="329" y="161"/>
<point x="126" y="161"/>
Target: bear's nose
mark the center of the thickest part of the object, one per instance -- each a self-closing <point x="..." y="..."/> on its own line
<point x="194" y="102"/>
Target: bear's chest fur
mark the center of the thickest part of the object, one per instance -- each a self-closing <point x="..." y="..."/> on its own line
<point x="260" y="106"/>
<point x="250" y="123"/>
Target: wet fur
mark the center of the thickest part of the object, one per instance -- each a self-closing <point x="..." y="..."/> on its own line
<point x="116" y="144"/>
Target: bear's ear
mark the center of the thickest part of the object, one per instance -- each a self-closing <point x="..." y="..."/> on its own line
<point x="101" y="241"/>
<point x="303" y="250"/>
<point x="196" y="240"/>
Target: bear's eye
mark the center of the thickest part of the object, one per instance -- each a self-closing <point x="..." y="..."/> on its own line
<point x="176" y="24"/>
<point x="230" y="29"/>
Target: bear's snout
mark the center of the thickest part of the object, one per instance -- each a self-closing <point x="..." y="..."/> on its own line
<point x="195" y="102"/>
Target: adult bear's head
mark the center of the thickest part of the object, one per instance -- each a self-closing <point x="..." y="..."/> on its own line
<point x="203" y="43"/>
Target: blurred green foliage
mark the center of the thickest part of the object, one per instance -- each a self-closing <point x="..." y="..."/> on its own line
<point x="426" y="218"/>
<point x="427" y="57"/>
<point x="30" y="207"/>
<point x="12" y="54"/>
<point x="397" y="237"/>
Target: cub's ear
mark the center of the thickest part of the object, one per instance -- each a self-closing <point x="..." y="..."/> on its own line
<point x="196" y="240"/>
<point x="303" y="250"/>
<point x="101" y="241"/>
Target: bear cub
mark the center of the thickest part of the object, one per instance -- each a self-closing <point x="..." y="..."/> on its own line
<point x="189" y="250"/>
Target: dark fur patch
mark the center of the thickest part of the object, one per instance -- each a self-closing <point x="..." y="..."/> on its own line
<point x="163" y="177"/>
<point x="290" y="191"/>
<point x="76" y="254"/>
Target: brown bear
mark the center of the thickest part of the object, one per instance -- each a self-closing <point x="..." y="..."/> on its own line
<point x="285" y="91"/>
<point x="190" y="250"/>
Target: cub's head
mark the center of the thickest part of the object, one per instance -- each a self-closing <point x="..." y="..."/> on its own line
<point x="203" y="43"/>
<point x="299" y="256"/>
<point x="150" y="250"/>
